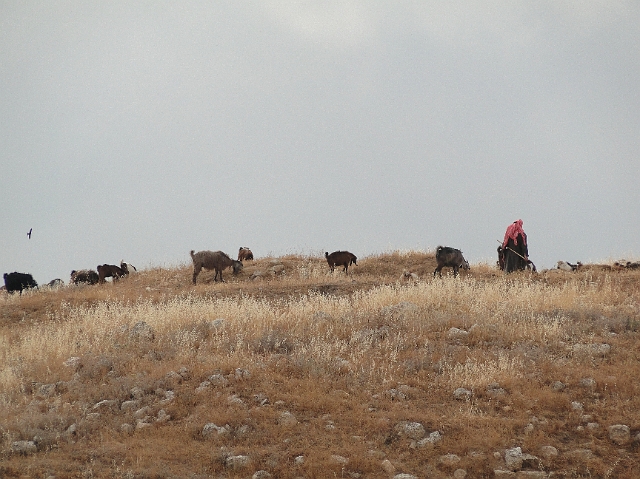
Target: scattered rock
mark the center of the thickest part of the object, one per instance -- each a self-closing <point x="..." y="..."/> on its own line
<point x="298" y="460"/>
<point x="24" y="447"/>
<point x="388" y="467"/>
<point x="456" y="333"/>
<point x="462" y="394"/>
<point x="431" y="440"/>
<point x="494" y="389"/>
<point x="143" y="423"/>
<point x="240" y="374"/>
<point x="262" y="474"/>
<point x="287" y="419"/>
<point x="46" y="390"/>
<point x="235" y="401"/>
<point x="449" y="460"/>
<point x="142" y="331"/>
<point x="412" y="430"/>
<point x="238" y="462"/>
<point x="136" y="392"/>
<point x="395" y="394"/>
<point x="126" y="428"/>
<point x="142" y="412"/>
<point x="73" y="362"/>
<point x="276" y="269"/>
<point x="217" y="323"/>
<point x="173" y="378"/>
<point x="548" y="452"/>
<point x="203" y="386"/>
<point x="620" y="434"/>
<point x="588" y="383"/>
<point x="210" y="429"/>
<point x="459" y="474"/>
<point x="218" y="380"/>
<point x="106" y="404"/>
<point x="592" y="349"/>
<point x="513" y="458"/>
<point x="558" y="386"/>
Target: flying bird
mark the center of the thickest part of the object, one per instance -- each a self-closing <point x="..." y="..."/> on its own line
<point x="29" y="233"/>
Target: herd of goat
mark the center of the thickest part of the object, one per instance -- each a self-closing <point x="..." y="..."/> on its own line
<point x="219" y="261"/>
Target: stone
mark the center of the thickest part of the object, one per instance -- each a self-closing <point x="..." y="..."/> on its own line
<point x="513" y="458"/>
<point x="287" y="419"/>
<point x="73" y="362"/>
<point x="456" y="333"/>
<point x="459" y="474"/>
<point x="548" y="452"/>
<point x="412" y="430"/>
<point x="432" y="439"/>
<point x="449" y="460"/>
<point x="238" y="462"/>
<point x="24" y="447"/>
<point x="262" y="474"/>
<point x="126" y="428"/>
<point x="619" y="434"/>
<point x="218" y="380"/>
<point x="106" y="404"/>
<point x="497" y="473"/>
<point x="388" y="467"/>
<point x="210" y="429"/>
<point x="588" y="383"/>
<point x="142" y="331"/>
<point x="462" y="394"/>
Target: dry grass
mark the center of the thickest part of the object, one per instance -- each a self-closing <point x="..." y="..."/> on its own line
<point x="350" y="356"/>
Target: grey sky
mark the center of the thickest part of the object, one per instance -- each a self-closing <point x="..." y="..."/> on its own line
<point x="142" y="130"/>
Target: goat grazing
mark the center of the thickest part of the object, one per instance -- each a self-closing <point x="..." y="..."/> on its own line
<point x="19" y="281"/>
<point x="111" y="270"/>
<point x="446" y="256"/>
<point x="566" y="266"/>
<point x="128" y="268"/>
<point x="340" y="258"/>
<point x="88" y="276"/>
<point x="244" y="254"/>
<point x="216" y="260"/>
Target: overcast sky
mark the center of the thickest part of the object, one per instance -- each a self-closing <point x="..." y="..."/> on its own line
<point x="142" y="130"/>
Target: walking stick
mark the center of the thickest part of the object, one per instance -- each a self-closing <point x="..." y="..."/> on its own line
<point x="528" y="261"/>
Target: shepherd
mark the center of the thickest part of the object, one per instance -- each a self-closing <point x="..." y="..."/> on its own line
<point x="514" y="248"/>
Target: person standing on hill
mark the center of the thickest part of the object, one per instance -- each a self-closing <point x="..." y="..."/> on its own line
<point x="514" y="248"/>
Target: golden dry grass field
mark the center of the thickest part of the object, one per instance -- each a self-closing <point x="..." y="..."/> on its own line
<point x="296" y="372"/>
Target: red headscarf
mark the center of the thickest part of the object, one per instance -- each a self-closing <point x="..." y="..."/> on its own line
<point x="513" y="230"/>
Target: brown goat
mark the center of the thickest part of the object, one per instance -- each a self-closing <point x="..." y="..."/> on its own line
<point x="340" y="258"/>
<point x="84" y="276"/>
<point x="216" y="260"/>
<point x="111" y="270"/>
<point x="244" y="254"/>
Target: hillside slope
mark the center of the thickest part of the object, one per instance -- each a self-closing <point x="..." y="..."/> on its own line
<point x="287" y="370"/>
